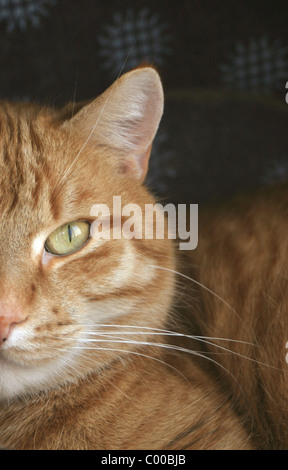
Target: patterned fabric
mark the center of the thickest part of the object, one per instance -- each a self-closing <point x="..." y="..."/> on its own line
<point x="133" y="38"/>
<point x="18" y="13"/>
<point x="261" y="66"/>
<point x="224" y="67"/>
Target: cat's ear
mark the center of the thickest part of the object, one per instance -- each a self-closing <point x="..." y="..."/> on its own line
<point x="125" y="117"/>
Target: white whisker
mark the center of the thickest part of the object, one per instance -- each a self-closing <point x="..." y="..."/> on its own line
<point x="162" y="332"/>
<point x="194" y="353"/>
<point x="95" y="125"/>
<point x="177" y="348"/>
<point x="159" y="331"/>
<point x="137" y="353"/>
<point x="199" y="284"/>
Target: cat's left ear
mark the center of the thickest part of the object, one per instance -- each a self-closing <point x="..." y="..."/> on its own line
<point x="125" y="117"/>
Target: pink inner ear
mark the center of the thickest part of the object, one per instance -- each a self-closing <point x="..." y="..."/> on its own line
<point x="126" y="118"/>
<point x="137" y="166"/>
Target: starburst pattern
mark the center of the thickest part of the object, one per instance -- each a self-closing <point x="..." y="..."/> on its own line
<point x="132" y="39"/>
<point x="262" y="66"/>
<point x="277" y="172"/>
<point x="19" y="13"/>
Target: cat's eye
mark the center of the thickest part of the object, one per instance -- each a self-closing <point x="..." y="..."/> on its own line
<point x="68" y="238"/>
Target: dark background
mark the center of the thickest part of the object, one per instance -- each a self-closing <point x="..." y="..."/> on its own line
<point x="224" y="66"/>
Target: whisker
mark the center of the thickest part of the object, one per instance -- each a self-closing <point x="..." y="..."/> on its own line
<point x="93" y="128"/>
<point x="159" y="331"/>
<point x="178" y="348"/>
<point x="83" y="146"/>
<point x="129" y="352"/>
<point x="199" y="284"/>
<point x="163" y="332"/>
<point x="198" y="354"/>
<point x="74" y="96"/>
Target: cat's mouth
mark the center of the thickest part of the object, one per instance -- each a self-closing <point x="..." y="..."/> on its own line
<point x="20" y="378"/>
<point x="25" y="349"/>
<point x="27" y="369"/>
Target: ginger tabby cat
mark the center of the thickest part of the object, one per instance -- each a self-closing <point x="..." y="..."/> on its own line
<point x="96" y="347"/>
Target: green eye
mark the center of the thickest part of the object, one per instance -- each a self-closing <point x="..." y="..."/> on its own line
<point x="68" y="238"/>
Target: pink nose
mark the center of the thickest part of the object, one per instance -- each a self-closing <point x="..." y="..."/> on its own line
<point x="10" y="316"/>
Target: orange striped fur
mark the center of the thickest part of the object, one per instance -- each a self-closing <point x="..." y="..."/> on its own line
<point x="93" y="364"/>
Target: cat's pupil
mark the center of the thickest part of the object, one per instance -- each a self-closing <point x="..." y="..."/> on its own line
<point x="69" y="233"/>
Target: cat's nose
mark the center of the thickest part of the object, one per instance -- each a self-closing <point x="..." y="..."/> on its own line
<point x="10" y="316"/>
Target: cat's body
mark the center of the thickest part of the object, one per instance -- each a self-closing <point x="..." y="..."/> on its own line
<point x="139" y="403"/>
<point x="88" y="359"/>
<point x="242" y="257"/>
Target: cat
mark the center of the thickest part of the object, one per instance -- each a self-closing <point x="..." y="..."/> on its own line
<point x="242" y="256"/>
<point x="127" y="343"/>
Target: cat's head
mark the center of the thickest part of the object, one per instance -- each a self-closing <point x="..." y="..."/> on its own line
<point x="60" y="285"/>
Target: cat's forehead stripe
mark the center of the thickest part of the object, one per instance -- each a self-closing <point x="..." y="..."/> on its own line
<point x="20" y="156"/>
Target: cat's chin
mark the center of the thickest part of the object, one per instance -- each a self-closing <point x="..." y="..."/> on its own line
<point x="17" y="380"/>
